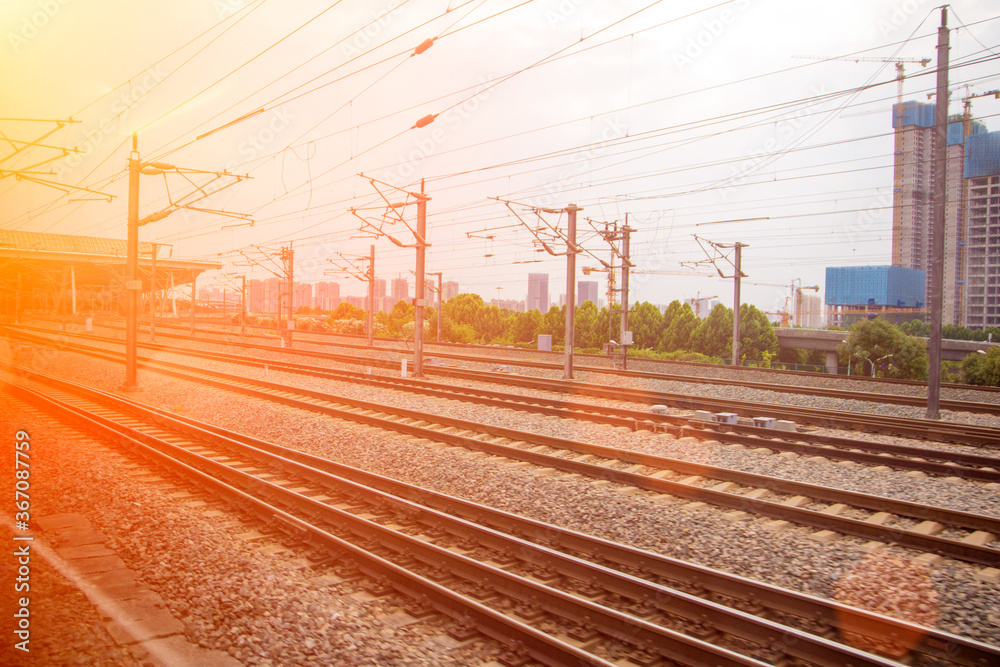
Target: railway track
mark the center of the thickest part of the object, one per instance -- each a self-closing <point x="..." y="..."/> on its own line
<point x="948" y="533"/>
<point x="845" y="394"/>
<point x="553" y="595"/>
<point x="928" y="461"/>
<point x="923" y="429"/>
<point x="315" y="337"/>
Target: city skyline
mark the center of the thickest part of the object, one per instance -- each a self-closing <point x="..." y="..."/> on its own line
<point x="613" y="108"/>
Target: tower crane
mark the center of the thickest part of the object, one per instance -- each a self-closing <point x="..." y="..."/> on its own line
<point x="793" y="303"/>
<point x="697" y="303"/>
<point x="900" y="62"/>
<point x="967" y="106"/>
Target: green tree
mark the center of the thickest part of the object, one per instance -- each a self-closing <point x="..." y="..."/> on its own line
<point x="677" y="335"/>
<point x="526" y="327"/>
<point x="457" y="333"/>
<point x="714" y="335"/>
<point x="464" y="308"/>
<point x="758" y="341"/>
<point x="672" y="310"/>
<point x="489" y="324"/>
<point x="982" y="369"/>
<point x="605" y="328"/>
<point x="916" y="328"/>
<point x="585" y="324"/>
<point x="876" y="347"/>
<point x="646" y="323"/>
<point x="911" y="361"/>
<point x="554" y="324"/>
<point x="346" y="310"/>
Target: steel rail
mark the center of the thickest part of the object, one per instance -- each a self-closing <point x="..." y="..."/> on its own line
<point x="954" y="464"/>
<point x="913" y="428"/>
<point x="671" y="644"/>
<point x="846" y="394"/>
<point x="931" y="642"/>
<point x="946" y="547"/>
<point x="795" y="643"/>
<point x="384" y="344"/>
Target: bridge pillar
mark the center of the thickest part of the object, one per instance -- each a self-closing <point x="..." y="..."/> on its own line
<point x="831" y="362"/>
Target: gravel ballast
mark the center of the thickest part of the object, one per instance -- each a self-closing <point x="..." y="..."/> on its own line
<point x="789" y="558"/>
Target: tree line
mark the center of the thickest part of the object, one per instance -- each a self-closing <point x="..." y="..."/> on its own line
<point x="873" y="348"/>
<point x="466" y="318"/>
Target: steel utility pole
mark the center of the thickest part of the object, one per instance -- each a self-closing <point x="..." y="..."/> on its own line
<point x="420" y="301"/>
<point x="737" y="265"/>
<point x="371" y="297"/>
<point x="131" y="269"/>
<point x="439" y="277"/>
<point x="420" y="244"/>
<point x="626" y="232"/>
<point x="936" y="282"/>
<point x="571" y="251"/>
<point x="736" y="304"/>
<point x="132" y="282"/>
<point x="194" y="280"/>
<point x="152" y="297"/>
<point x="243" y="305"/>
<point x="287" y="256"/>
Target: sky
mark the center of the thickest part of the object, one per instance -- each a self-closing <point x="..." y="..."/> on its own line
<point x="766" y="123"/>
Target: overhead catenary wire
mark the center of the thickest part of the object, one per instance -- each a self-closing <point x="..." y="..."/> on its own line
<point x="311" y="208"/>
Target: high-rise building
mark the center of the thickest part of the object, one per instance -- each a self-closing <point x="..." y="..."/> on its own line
<point x="327" y="295"/>
<point x="587" y="291"/>
<point x="893" y="293"/>
<point x="811" y="315"/>
<point x="273" y="293"/>
<point x="538" y="292"/>
<point x="255" y="296"/>
<point x="981" y="268"/>
<point x="400" y="290"/>
<point x="379" y="297"/>
<point x="449" y="290"/>
<point x="913" y="198"/>
<point x="303" y="296"/>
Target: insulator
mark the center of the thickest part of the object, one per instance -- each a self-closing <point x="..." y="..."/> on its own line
<point x="426" y="120"/>
<point x="424" y="45"/>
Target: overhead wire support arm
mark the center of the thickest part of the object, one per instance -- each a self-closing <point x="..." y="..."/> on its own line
<point x="736" y="263"/>
<point x="29" y="172"/>
<point x="59" y="124"/>
<point x="199" y="192"/>
<point x="393" y="212"/>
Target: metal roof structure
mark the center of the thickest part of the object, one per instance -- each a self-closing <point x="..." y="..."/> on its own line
<point x="33" y="263"/>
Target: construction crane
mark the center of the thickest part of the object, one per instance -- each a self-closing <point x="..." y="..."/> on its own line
<point x="789" y="313"/>
<point x="900" y="62"/>
<point x="697" y="303"/>
<point x="785" y="314"/>
<point x="967" y="106"/>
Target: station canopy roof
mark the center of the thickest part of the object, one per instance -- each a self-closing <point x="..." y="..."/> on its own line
<point x="34" y="259"/>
